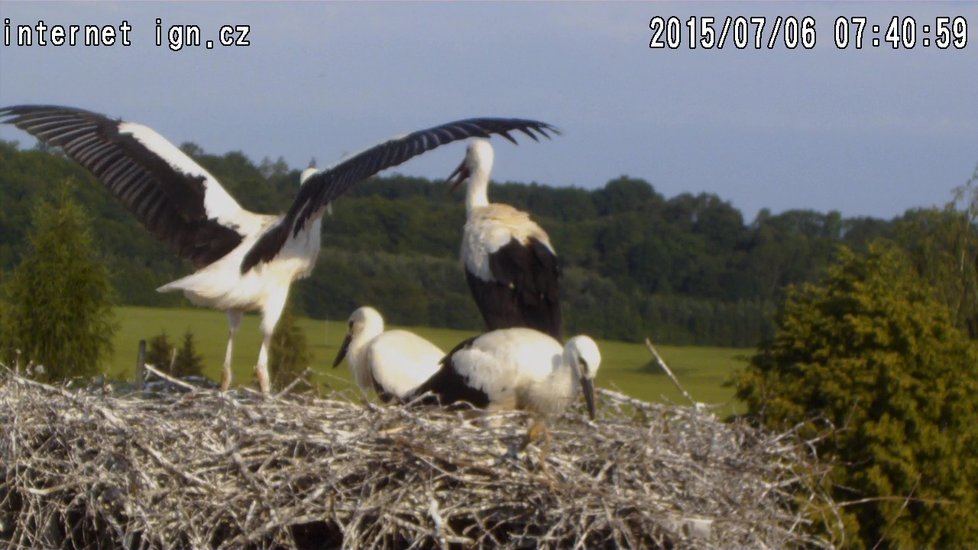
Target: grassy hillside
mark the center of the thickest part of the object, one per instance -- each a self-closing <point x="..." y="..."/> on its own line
<point x="687" y="269"/>
<point x="625" y="366"/>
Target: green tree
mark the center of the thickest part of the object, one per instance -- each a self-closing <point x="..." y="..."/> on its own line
<point x="187" y="362"/>
<point x="684" y="251"/>
<point x="943" y="245"/>
<point x="59" y="311"/>
<point x="871" y="350"/>
<point x="159" y="352"/>
<point x="289" y="354"/>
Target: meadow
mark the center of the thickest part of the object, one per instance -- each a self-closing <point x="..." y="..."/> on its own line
<point x="625" y="367"/>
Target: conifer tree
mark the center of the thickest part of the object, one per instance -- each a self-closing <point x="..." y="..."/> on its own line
<point x="943" y="247"/>
<point x="59" y="297"/>
<point x="159" y="352"/>
<point x="872" y="350"/>
<point x="289" y="354"/>
<point x="188" y="362"/>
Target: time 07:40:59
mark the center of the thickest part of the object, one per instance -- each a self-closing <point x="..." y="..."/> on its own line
<point x="763" y="32"/>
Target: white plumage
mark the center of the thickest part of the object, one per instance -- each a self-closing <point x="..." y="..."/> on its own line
<point x="510" y="265"/>
<point x="518" y="368"/>
<point x="392" y="363"/>
<point x="245" y="261"/>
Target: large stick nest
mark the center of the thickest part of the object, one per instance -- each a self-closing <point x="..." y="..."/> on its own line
<point x="204" y="469"/>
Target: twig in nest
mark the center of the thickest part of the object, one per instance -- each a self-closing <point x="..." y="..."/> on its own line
<point x="168" y="378"/>
<point x="298" y="379"/>
<point x="662" y="363"/>
<point x="226" y="470"/>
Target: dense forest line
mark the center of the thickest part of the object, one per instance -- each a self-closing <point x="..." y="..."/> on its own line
<point x="684" y="270"/>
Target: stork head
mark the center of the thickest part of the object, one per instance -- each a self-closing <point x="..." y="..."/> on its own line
<point x="581" y="354"/>
<point x="308" y="172"/>
<point x="476" y="165"/>
<point x="365" y="323"/>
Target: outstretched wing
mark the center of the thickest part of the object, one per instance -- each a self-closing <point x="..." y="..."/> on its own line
<point x="174" y="197"/>
<point x="325" y="186"/>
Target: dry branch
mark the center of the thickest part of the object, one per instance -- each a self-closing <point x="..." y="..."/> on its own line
<point x="210" y="470"/>
<point x="662" y="364"/>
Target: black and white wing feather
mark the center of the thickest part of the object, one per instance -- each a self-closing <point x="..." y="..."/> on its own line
<point x="174" y="197"/>
<point x="524" y="290"/>
<point x="450" y="385"/>
<point x="325" y="186"/>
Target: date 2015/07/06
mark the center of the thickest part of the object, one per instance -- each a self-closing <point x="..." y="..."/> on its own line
<point x="763" y="32"/>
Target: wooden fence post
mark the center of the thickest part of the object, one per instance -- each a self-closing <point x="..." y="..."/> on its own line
<point x="141" y="366"/>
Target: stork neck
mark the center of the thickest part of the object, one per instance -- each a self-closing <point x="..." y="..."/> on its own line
<point x="477" y="194"/>
<point x="357" y="344"/>
<point x="315" y="231"/>
<point x="371" y="327"/>
<point x="563" y="380"/>
<point x="358" y="363"/>
<point x="571" y="370"/>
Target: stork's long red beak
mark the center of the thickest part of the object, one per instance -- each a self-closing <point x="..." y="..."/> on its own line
<point x="459" y="175"/>
<point x="343" y="349"/>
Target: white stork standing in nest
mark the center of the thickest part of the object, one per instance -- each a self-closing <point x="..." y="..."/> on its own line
<point x="392" y="363"/>
<point x="245" y="261"/>
<point x="510" y="265"/>
<point x="517" y="368"/>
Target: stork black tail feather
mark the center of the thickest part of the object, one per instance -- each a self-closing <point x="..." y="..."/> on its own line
<point x="267" y="246"/>
<point x="425" y="394"/>
<point x="449" y="388"/>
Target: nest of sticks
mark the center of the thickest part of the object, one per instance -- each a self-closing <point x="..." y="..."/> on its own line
<point x="205" y="469"/>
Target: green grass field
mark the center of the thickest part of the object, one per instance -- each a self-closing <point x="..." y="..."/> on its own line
<point x="625" y="366"/>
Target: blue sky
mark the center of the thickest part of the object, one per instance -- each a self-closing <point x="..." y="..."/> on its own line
<point x="865" y="132"/>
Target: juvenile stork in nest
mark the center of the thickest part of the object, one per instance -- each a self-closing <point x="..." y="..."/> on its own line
<point x="392" y="363"/>
<point x="510" y="265"/>
<point x="518" y="368"/>
<point x="245" y="261"/>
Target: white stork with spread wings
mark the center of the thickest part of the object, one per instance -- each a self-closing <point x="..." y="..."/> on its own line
<point x="245" y="261"/>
